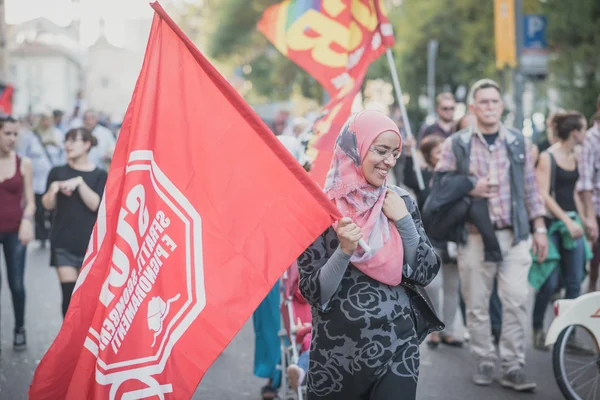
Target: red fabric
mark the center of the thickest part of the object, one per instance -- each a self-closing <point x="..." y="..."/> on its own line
<point x="204" y="209"/>
<point x="6" y="96"/>
<point x="11" y="198"/>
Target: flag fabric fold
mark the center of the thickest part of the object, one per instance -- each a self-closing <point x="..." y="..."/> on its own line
<point x="202" y="212"/>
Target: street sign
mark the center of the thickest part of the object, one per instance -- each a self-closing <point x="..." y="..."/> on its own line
<point x="534" y="58"/>
<point x="504" y="33"/>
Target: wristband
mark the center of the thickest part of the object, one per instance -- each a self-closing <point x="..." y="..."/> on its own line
<point x="541" y="230"/>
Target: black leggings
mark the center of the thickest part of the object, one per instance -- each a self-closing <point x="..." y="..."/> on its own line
<point x="399" y="382"/>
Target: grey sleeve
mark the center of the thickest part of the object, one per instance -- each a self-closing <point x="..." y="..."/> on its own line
<point x="332" y="273"/>
<point x="410" y="239"/>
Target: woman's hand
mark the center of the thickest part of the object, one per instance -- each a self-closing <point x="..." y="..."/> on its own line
<point x="25" y="231"/>
<point x="348" y="234"/>
<point x="574" y="229"/>
<point x="68" y="187"/>
<point x="393" y="206"/>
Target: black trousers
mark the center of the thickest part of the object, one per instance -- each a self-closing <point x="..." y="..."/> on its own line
<point x="42" y="219"/>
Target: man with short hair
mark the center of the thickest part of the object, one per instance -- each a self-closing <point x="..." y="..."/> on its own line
<point x="101" y="155"/>
<point x="588" y="187"/>
<point x="444" y="126"/>
<point x="502" y="170"/>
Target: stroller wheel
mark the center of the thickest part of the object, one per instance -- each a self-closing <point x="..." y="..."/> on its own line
<point x="268" y="392"/>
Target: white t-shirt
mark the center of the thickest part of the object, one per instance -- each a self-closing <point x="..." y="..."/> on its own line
<point x="104" y="148"/>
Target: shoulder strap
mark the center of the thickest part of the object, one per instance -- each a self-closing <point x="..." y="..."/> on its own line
<point x="552" y="173"/>
<point x="39" y="138"/>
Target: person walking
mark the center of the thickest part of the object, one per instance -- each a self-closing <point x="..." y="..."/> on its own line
<point x="368" y="319"/>
<point x="557" y="176"/>
<point x="16" y="220"/>
<point x="588" y="188"/>
<point x="73" y="194"/>
<point x="44" y="147"/>
<point x="502" y="170"/>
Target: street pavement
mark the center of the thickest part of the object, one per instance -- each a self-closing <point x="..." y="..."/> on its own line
<point x="445" y="372"/>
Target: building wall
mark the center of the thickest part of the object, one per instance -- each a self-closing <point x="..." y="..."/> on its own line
<point x="110" y="78"/>
<point x="43" y="82"/>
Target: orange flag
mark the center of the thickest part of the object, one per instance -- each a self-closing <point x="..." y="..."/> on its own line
<point x="203" y="211"/>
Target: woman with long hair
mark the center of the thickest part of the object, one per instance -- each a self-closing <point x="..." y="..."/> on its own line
<point x="74" y="193"/>
<point x="370" y="312"/>
<point x="557" y="175"/>
<point x="16" y="220"/>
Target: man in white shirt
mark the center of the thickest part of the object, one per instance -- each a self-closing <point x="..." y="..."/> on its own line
<point x="101" y="154"/>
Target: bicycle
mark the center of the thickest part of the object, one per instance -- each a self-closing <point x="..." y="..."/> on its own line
<point x="575" y="334"/>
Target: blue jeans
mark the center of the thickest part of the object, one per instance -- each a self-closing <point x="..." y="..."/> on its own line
<point x="303" y="360"/>
<point x="572" y="263"/>
<point x="14" y="255"/>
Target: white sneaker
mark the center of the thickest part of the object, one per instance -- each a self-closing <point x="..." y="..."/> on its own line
<point x="295" y="376"/>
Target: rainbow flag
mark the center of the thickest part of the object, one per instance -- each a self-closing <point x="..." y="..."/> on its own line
<point x="278" y="18"/>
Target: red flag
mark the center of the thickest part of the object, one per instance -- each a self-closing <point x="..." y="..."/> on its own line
<point x="203" y="211"/>
<point x="6" y="102"/>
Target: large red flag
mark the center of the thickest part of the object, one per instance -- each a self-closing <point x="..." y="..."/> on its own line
<point x="203" y="211"/>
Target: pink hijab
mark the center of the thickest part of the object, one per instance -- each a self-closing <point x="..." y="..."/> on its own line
<point x="363" y="202"/>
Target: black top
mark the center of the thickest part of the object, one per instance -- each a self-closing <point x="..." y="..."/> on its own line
<point x="434" y="129"/>
<point x="564" y="188"/>
<point x="73" y="220"/>
<point x="490" y="138"/>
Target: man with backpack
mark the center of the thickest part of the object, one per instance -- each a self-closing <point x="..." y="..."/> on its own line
<point x="499" y="163"/>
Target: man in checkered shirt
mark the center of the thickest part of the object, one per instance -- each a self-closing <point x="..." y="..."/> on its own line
<point x="500" y="164"/>
<point x="588" y="187"/>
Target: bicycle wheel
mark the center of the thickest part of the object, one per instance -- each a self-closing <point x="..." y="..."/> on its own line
<point x="576" y="362"/>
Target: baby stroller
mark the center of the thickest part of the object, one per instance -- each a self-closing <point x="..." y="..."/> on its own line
<point x="293" y="308"/>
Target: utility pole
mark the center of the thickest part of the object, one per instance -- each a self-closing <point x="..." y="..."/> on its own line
<point x="432" y="47"/>
<point x="519" y="80"/>
<point x="3" y="46"/>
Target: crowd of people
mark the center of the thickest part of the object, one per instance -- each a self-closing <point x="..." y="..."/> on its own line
<point x="497" y="215"/>
<point x="52" y="175"/>
<point x="523" y="216"/>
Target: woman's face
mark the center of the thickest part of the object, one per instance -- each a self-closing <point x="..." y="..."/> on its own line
<point x="579" y="135"/>
<point x="76" y="147"/>
<point x="380" y="158"/>
<point x="8" y="137"/>
<point x="435" y="155"/>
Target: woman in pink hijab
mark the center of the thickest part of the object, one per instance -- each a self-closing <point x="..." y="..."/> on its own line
<point x="370" y="312"/>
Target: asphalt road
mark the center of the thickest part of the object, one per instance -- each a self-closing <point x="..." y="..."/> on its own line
<point x="445" y="372"/>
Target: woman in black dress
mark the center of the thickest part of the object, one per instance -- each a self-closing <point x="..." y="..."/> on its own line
<point x="74" y="193"/>
<point x="370" y="312"/>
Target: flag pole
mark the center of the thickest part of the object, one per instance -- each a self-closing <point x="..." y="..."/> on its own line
<point x="413" y="151"/>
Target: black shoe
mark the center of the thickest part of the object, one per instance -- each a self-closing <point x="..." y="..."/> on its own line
<point x="496" y="336"/>
<point x="20" y="341"/>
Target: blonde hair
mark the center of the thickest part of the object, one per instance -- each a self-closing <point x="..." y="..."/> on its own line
<point x="482" y="84"/>
<point x="444" y="96"/>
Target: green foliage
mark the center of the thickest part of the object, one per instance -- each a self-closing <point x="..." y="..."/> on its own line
<point x="464" y="30"/>
<point x="574" y="36"/>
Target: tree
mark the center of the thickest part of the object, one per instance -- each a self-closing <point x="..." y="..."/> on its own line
<point x="464" y="30"/>
<point x="574" y="38"/>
